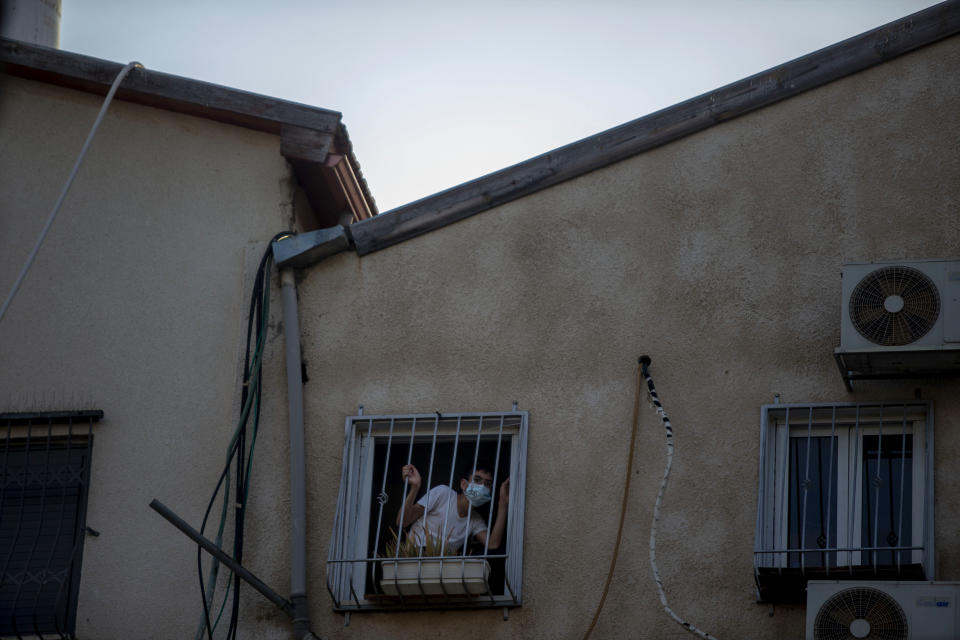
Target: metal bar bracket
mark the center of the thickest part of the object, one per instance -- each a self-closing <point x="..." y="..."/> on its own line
<point x="219" y="554"/>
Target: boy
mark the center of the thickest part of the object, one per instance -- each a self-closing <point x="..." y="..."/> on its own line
<point x="443" y="512"/>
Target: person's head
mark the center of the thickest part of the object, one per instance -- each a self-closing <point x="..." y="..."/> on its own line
<point x="478" y="485"/>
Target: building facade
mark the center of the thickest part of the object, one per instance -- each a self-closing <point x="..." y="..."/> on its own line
<point x="501" y="322"/>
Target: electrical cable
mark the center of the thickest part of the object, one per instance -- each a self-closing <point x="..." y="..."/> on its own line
<point x="239" y="455"/>
<point x="251" y="372"/>
<point x="623" y="506"/>
<point x="66" y="187"/>
<point x="644" y="364"/>
<point x="262" y="311"/>
<point x="251" y="379"/>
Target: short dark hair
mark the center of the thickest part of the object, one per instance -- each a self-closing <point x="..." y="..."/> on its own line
<point x="467" y="469"/>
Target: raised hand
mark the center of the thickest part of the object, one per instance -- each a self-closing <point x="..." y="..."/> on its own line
<point x="412" y="476"/>
<point x="505" y="492"/>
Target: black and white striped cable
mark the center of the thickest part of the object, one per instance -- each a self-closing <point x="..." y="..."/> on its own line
<point x="644" y="363"/>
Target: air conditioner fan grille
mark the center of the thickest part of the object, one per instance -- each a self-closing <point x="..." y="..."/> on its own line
<point x="860" y="612"/>
<point x="894" y="306"/>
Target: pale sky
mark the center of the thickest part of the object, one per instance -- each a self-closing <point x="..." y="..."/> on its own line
<point x="436" y="93"/>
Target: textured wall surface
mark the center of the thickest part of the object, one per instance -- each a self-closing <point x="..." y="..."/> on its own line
<point x="718" y="255"/>
<point x="135" y="305"/>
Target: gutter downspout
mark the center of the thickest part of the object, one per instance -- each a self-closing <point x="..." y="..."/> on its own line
<point x="298" y="491"/>
<point x="297" y="251"/>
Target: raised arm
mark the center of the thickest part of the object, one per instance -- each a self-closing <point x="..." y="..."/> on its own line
<point x="410" y="511"/>
<point x="500" y="524"/>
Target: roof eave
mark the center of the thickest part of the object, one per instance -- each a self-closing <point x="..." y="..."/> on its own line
<point x="311" y="132"/>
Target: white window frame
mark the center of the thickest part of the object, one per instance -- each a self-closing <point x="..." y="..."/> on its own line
<point x="850" y="423"/>
<point x="348" y="566"/>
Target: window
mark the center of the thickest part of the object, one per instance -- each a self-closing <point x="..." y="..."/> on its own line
<point x="845" y="490"/>
<point x="43" y="496"/>
<point x="373" y="566"/>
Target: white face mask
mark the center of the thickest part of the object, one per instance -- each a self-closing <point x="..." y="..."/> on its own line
<point x="477" y="494"/>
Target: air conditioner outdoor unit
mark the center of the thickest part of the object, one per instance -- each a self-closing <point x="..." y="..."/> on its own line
<point x="838" y="610"/>
<point x="900" y="319"/>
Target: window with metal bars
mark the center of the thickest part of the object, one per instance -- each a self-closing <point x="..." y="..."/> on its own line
<point x="845" y="490"/>
<point x="44" y="479"/>
<point x="444" y="558"/>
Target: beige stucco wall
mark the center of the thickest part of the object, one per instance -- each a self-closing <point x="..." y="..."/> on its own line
<point x="718" y="255"/>
<point x="135" y="305"/>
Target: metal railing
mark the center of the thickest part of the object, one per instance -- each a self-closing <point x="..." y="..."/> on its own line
<point x="43" y="489"/>
<point x="372" y="567"/>
<point x="844" y="472"/>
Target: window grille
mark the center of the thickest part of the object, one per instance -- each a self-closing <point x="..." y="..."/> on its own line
<point x="845" y="490"/>
<point x="368" y="570"/>
<point x="44" y="479"/>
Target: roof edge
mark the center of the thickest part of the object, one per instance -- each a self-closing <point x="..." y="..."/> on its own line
<point x="210" y="101"/>
<point x="667" y="125"/>
<point x="162" y="90"/>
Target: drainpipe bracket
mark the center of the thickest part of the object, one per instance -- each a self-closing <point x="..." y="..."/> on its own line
<point x="304" y="249"/>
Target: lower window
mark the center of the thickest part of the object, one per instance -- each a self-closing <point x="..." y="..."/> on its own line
<point x="845" y="489"/>
<point x="43" y="496"/>
<point x="430" y="512"/>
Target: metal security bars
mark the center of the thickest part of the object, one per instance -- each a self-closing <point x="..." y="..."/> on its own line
<point x="845" y="489"/>
<point x="375" y="565"/>
<point x="44" y="479"/>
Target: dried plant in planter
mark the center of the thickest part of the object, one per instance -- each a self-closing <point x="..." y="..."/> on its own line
<point x="408" y="547"/>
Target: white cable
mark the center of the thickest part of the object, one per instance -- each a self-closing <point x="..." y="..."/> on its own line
<point x="656" y="511"/>
<point x="66" y="187"/>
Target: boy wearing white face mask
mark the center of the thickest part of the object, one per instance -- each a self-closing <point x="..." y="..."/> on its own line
<point x="442" y="509"/>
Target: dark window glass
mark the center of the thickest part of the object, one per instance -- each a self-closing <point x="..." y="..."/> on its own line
<point x="887" y="487"/>
<point x="43" y="489"/>
<point x="813" y="500"/>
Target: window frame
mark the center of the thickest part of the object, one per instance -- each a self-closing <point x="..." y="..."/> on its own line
<point x="348" y="564"/>
<point x="782" y="422"/>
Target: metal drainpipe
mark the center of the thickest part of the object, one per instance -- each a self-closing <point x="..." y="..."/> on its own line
<point x="298" y="493"/>
<point x="297" y="252"/>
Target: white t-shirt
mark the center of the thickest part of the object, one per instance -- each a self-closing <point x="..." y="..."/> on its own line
<point x="439" y="501"/>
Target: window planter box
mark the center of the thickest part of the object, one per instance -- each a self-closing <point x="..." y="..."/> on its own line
<point x="431" y="576"/>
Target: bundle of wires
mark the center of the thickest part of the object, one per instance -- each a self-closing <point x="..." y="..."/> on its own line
<point x="239" y="456"/>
